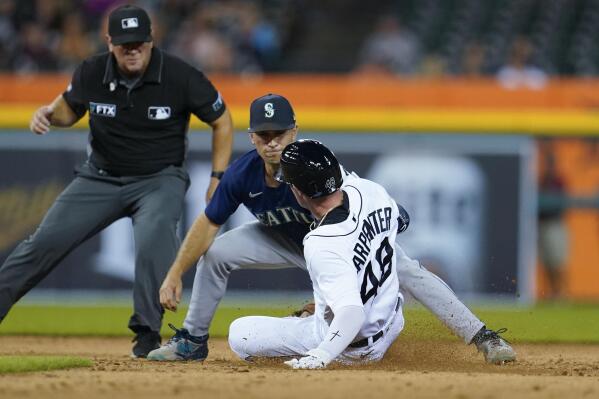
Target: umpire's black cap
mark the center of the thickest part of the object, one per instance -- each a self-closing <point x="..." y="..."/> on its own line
<point x="271" y="112"/>
<point x="129" y="24"/>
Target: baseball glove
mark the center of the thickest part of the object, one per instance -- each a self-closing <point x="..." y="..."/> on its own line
<point x="307" y="310"/>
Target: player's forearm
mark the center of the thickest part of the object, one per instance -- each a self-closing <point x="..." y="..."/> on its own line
<point x="197" y="241"/>
<point x="343" y="330"/>
<point x="222" y="141"/>
<point x="62" y="115"/>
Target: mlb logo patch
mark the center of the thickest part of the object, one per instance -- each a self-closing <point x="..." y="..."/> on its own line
<point x="129" y="23"/>
<point x="159" y="113"/>
<point x="218" y="103"/>
<point x="107" y="110"/>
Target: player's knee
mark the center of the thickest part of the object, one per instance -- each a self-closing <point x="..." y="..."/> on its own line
<point x="240" y="337"/>
<point x="217" y="256"/>
<point x="210" y="257"/>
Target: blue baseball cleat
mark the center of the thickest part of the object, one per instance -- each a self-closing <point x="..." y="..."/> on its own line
<point x="182" y="346"/>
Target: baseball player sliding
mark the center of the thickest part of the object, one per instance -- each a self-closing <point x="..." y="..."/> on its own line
<point x="349" y="254"/>
<point x="275" y="241"/>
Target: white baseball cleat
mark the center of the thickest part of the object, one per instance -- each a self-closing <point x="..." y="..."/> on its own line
<point x="495" y="349"/>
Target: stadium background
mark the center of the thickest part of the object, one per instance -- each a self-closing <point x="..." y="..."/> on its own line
<point x="488" y="90"/>
<point x="480" y="116"/>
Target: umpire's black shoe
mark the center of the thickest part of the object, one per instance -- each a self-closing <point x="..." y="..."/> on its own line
<point x="145" y="342"/>
<point x="496" y="349"/>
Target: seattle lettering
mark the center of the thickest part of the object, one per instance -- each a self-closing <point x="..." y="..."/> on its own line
<point x="281" y="216"/>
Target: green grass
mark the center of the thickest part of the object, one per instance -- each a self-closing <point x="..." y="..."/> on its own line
<point x="20" y="364"/>
<point x="107" y="320"/>
<point x="543" y="323"/>
<point x="565" y="323"/>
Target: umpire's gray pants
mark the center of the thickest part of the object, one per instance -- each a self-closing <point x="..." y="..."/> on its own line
<point x="92" y="201"/>
<point x="254" y="246"/>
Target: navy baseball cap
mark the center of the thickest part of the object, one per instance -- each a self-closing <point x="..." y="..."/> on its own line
<point x="271" y="112"/>
<point x="129" y="24"/>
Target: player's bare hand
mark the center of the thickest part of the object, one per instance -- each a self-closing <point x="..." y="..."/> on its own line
<point x="40" y="121"/>
<point x="170" y="292"/>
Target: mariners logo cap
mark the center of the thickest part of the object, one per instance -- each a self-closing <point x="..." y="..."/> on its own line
<point x="129" y="24"/>
<point x="271" y="112"/>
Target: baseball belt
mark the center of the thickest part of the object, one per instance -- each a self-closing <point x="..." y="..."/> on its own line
<point x="366" y="341"/>
<point x="372" y="339"/>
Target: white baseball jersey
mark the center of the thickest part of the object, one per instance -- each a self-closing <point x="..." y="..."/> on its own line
<point x="352" y="262"/>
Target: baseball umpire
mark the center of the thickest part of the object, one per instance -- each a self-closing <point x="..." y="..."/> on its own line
<point x="139" y="100"/>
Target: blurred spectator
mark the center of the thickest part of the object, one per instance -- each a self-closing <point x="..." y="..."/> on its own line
<point x="96" y="10"/>
<point x="258" y="39"/>
<point x="553" y="232"/>
<point x="7" y="32"/>
<point x="48" y="14"/>
<point x="228" y="36"/>
<point x="473" y="60"/>
<point x="520" y="72"/>
<point x="251" y="36"/>
<point x="33" y="54"/>
<point x="391" y="48"/>
<point x="235" y="21"/>
<point x="171" y="14"/>
<point x="199" y="43"/>
<point x="433" y="66"/>
<point x="264" y="39"/>
<point x="74" y="44"/>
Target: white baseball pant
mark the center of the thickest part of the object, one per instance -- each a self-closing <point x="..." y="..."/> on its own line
<point x="262" y="336"/>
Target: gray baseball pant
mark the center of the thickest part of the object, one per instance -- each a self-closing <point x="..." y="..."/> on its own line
<point x="255" y="246"/>
<point x="92" y="201"/>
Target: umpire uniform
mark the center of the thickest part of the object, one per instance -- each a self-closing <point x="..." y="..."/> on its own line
<point x="137" y="146"/>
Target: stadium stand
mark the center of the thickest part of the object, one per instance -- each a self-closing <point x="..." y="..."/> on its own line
<point x="313" y="36"/>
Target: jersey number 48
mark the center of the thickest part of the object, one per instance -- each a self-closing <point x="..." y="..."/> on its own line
<point x="384" y="258"/>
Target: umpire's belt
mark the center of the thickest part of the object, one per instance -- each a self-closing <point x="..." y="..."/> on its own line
<point x="372" y="339"/>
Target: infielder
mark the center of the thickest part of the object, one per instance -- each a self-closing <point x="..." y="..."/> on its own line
<point x="349" y="254"/>
<point x="274" y="241"/>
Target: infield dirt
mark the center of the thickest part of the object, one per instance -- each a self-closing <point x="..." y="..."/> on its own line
<point x="411" y="369"/>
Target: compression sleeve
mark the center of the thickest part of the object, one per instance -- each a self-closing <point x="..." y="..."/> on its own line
<point x="343" y="329"/>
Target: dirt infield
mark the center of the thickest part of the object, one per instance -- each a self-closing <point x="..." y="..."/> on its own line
<point x="411" y="369"/>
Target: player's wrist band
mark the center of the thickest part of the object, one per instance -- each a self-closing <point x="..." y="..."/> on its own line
<point x="216" y="174"/>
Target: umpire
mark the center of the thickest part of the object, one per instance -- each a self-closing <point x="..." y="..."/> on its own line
<point x="139" y="101"/>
